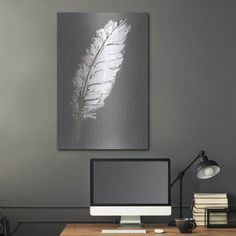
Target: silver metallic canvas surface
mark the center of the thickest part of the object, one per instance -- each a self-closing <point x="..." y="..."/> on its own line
<point x="102" y="81"/>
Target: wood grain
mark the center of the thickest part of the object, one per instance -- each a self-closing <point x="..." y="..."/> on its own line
<point x="95" y="229"/>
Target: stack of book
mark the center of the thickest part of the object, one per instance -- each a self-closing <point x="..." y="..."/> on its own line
<point x="202" y="201"/>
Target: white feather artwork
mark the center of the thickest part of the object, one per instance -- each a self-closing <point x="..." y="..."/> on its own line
<point x="95" y="78"/>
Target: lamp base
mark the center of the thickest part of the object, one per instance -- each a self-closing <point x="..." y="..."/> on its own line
<point x="172" y="223"/>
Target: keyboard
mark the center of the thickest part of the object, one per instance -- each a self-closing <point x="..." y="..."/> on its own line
<point x="124" y="231"/>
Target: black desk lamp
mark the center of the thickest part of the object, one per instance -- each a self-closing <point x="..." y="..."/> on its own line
<point x="205" y="170"/>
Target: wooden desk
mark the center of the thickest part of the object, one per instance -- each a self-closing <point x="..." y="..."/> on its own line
<point x="95" y="229"/>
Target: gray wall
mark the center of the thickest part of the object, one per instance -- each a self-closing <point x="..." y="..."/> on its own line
<point x="192" y="103"/>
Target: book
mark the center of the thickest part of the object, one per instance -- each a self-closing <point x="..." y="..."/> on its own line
<point x="200" y="201"/>
<point x="202" y="223"/>
<point x="214" y="206"/>
<point x="212" y="213"/>
<point x="198" y="210"/>
<point x="210" y="195"/>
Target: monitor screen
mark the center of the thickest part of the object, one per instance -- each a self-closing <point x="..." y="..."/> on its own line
<point x="128" y="182"/>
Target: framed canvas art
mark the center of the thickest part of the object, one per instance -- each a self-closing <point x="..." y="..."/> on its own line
<point x="102" y="81"/>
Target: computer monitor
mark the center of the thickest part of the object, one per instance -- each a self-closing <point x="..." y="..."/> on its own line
<point x="130" y="188"/>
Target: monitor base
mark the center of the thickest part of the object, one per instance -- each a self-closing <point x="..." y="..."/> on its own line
<point x="130" y="222"/>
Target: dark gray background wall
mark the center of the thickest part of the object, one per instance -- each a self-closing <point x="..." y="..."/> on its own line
<point x="192" y="103"/>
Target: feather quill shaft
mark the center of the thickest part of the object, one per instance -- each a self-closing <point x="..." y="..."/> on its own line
<point x="97" y="72"/>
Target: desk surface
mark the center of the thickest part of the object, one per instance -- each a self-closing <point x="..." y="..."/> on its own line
<point x="95" y="229"/>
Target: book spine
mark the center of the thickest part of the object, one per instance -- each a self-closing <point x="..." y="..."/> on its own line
<point x="202" y="206"/>
<point x="216" y="218"/>
<point x="212" y="214"/>
<point x="210" y="195"/>
<point x="211" y="201"/>
<point x="200" y="223"/>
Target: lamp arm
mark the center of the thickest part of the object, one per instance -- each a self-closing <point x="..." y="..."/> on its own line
<point x="181" y="174"/>
<point x="180" y="179"/>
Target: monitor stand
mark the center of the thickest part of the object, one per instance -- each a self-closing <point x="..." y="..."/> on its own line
<point x="130" y="222"/>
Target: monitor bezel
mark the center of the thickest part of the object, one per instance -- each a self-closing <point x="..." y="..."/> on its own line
<point x="128" y="159"/>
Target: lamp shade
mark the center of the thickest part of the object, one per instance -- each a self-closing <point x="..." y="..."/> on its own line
<point x="207" y="168"/>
